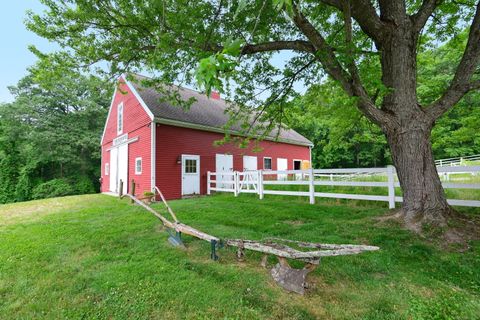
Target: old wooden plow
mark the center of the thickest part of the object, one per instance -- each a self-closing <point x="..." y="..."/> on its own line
<point x="289" y="278"/>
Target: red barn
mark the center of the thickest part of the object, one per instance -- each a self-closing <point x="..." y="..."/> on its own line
<point x="155" y="143"/>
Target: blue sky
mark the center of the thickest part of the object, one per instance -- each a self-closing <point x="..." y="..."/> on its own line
<point x="14" y="54"/>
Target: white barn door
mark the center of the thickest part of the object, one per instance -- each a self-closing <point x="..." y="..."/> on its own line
<point x="249" y="163"/>
<point x="282" y="165"/>
<point x="113" y="169"/>
<point x="190" y="174"/>
<point x="119" y="168"/>
<point x="123" y="166"/>
<point x="224" y="163"/>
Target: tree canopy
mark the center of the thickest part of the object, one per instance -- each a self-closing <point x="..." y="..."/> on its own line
<point x="343" y="137"/>
<point x="49" y="137"/>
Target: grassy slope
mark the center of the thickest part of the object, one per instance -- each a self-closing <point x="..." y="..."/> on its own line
<point x="97" y="257"/>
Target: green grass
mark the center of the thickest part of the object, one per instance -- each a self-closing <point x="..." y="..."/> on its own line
<point x="95" y="257"/>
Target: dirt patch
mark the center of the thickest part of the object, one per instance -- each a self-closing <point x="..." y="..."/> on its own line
<point x="294" y="222"/>
<point x="456" y="234"/>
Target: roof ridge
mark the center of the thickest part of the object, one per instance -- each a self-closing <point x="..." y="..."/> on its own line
<point x="181" y="87"/>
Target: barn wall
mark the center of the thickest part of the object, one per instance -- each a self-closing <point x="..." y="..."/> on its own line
<point x="136" y="123"/>
<point x="172" y="142"/>
<point x="142" y="149"/>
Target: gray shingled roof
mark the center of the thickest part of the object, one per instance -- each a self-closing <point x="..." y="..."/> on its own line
<point x="204" y="111"/>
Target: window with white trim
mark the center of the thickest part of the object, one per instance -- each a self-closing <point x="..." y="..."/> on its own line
<point x="138" y="165"/>
<point x="107" y="169"/>
<point x="191" y="166"/>
<point x="267" y="163"/>
<point x="120" y="118"/>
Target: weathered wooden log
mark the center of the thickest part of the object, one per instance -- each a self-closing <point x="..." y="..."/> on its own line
<point x="177" y="226"/>
<point x="290" y="253"/>
<point x="327" y="246"/>
<point x="289" y="278"/>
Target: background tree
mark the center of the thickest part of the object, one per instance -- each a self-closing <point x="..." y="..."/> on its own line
<point x="235" y="41"/>
<point x="49" y="136"/>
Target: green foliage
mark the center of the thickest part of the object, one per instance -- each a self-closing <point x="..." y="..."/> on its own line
<point x="9" y="165"/>
<point x="25" y="184"/>
<point x="343" y="137"/>
<point x="210" y="70"/>
<point x="53" y="188"/>
<point x="51" y="131"/>
<point x="83" y="185"/>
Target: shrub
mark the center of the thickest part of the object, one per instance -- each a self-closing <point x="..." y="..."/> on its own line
<point x="53" y="188"/>
<point x="84" y="185"/>
<point x="148" y="194"/>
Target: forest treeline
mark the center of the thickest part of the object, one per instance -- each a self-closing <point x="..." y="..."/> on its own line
<point x="50" y="134"/>
<point x="50" y="137"/>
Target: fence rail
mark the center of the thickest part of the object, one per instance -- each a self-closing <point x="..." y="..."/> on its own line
<point x="458" y="161"/>
<point x="255" y="181"/>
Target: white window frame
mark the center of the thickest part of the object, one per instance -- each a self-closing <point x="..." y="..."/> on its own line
<point x="107" y="169"/>
<point x="271" y="163"/>
<point x="136" y="165"/>
<point x="120" y="120"/>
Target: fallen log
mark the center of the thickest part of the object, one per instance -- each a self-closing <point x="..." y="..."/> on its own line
<point x="289" y="278"/>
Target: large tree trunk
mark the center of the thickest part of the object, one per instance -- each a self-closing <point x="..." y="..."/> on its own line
<point x="424" y="200"/>
<point x="408" y="129"/>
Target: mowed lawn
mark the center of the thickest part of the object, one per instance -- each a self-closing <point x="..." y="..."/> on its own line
<point x="96" y="257"/>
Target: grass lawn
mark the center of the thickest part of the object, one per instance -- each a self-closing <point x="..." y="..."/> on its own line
<point x="97" y="257"/>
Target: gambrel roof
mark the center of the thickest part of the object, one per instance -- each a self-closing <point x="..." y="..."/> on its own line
<point x="204" y="114"/>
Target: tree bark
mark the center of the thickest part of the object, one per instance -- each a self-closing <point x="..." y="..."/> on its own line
<point x="408" y="130"/>
<point x="424" y="200"/>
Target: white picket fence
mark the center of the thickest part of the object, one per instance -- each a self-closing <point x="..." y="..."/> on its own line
<point x="255" y="182"/>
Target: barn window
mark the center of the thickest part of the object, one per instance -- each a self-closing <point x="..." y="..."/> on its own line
<point x="297" y="164"/>
<point x="107" y="169"/>
<point x="138" y="165"/>
<point x="120" y="118"/>
<point x="267" y="163"/>
<point x="190" y="166"/>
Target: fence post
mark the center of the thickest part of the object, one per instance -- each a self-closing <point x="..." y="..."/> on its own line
<point x="235" y="183"/>
<point x="133" y="190"/>
<point x="260" y="184"/>
<point x="391" y="187"/>
<point x="208" y="182"/>
<point x="120" y="192"/>
<point x="311" y="185"/>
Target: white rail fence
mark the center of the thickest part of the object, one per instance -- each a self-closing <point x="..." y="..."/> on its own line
<point x="458" y="161"/>
<point x="255" y="182"/>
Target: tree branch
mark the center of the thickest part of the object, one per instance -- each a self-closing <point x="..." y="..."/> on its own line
<point x="295" y="45"/>
<point x="364" y="13"/>
<point x="332" y="66"/>
<point x="461" y="83"/>
<point x="420" y="18"/>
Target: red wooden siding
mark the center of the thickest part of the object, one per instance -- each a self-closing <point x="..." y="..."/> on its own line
<point x="172" y="142"/>
<point x="137" y="124"/>
<point x="140" y="149"/>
